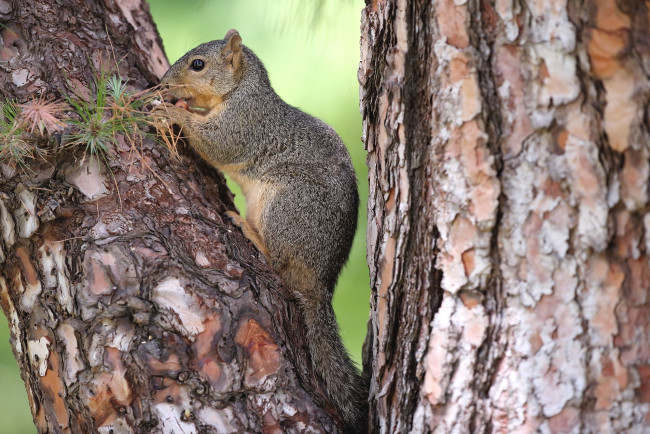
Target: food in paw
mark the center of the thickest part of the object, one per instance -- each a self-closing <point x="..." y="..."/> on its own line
<point x="182" y="104"/>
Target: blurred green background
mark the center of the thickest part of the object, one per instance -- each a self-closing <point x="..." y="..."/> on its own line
<point x="311" y="51"/>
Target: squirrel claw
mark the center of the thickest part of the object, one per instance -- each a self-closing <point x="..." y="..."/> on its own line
<point x="234" y="217"/>
<point x="169" y="110"/>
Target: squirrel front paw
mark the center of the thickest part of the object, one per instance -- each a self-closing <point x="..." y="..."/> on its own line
<point x="234" y="217"/>
<point x="249" y="231"/>
<point x="177" y="113"/>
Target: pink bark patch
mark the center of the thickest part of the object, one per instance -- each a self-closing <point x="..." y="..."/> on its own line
<point x="26" y="267"/>
<point x="469" y="261"/>
<point x="209" y="363"/>
<point x="112" y="394"/>
<point x="643" y="391"/>
<point x="100" y="282"/>
<point x="511" y="81"/>
<point x="7" y="53"/>
<point x="263" y="353"/>
<point x="612" y="382"/>
<point x="170" y="366"/>
<point x="567" y="420"/>
<point x="54" y="389"/>
<point x="452" y="23"/>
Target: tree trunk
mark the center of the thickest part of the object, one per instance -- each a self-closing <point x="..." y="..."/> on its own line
<point x="134" y="306"/>
<point x="508" y="220"/>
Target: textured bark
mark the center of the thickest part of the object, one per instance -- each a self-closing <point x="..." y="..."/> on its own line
<point x="508" y="220"/>
<point x="134" y="306"/>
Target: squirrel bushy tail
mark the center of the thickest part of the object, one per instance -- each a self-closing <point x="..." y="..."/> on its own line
<point x="344" y="386"/>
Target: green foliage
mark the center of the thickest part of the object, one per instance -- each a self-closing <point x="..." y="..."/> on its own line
<point x="116" y="89"/>
<point x="14" y="145"/>
<point x="113" y="111"/>
<point x="9" y="114"/>
<point x="94" y="121"/>
<point x="95" y="128"/>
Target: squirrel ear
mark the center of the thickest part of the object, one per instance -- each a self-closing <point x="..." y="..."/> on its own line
<point x="232" y="50"/>
<point x="229" y="33"/>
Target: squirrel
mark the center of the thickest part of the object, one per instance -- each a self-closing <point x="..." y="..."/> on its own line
<point x="299" y="184"/>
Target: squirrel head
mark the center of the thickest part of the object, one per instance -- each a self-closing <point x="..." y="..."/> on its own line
<point x="207" y="74"/>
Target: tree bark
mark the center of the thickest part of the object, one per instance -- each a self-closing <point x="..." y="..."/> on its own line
<point x="508" y="219"/>
<point x="134" y="306"/>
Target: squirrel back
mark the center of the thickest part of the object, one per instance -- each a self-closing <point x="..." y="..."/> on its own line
<point x="299" y="184"/>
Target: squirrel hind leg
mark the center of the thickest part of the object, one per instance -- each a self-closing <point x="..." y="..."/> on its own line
<point x="298" y="276"/>
<point x="249" y="232"/>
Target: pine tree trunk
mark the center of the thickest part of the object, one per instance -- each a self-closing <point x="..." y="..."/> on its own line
<point x="134" y="306"/>
<point x="508" y="220"/>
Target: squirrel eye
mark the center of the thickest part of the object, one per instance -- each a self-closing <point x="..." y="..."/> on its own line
<point x="197" y="64"/>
